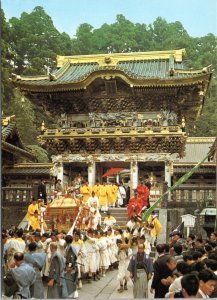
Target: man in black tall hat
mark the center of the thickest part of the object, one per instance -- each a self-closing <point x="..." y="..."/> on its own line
<point x="176" y="237"/>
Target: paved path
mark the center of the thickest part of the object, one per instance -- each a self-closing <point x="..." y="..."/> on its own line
<point x="106" y="288"/>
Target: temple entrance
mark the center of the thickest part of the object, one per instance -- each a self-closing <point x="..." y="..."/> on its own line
<point x="154" y="173"/>
<point x="73" y="170"/>
<point x="113" y="171"/>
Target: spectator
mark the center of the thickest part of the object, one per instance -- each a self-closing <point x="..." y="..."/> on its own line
<point x="207" y="283"/>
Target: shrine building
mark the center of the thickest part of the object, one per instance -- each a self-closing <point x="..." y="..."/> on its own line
<point x="120" y="110"/>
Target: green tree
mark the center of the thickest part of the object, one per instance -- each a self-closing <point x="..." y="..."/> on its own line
<point x="6" y="86"/>
<point x="36" y="42"/>
<point x="206" y="125"/>
<point x="25" y="118"/>
<point x="203" y="51"/>
<point x="83" y="44"/>
<point x="168" y="35"/>
<point x="40" y="153"/>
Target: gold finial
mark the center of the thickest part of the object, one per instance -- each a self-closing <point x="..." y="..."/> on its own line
<point x="7" y="120"/>
<point x="22" y="99"/>
<point x="183" y="122"/>
<point x="43" y="126"/>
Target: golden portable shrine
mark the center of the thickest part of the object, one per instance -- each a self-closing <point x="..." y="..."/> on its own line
<point x="66" y="211"/>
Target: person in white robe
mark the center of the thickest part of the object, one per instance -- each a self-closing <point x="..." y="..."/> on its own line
<point x="112" y="247"/>
<point x="81" y="255"/>
<point x="90" y="260"/>
<point x="109" y="221"/>
<point x="93" y="200"/>
<point x="124" y="255"/>
<point x="121" y="195"/>
<point x="104" y="254"/>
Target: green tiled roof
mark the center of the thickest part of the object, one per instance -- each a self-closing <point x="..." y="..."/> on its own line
<point x="8" y="130"/>
<point x="148" y="69"/>
<point x="151" y="69"/>
<point x="32" y="170"/>
<point x="140" y="70"/>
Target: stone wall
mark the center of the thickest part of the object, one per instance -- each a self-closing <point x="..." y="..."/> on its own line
<point x="13" y="213"/>
<point x="174" y="219"/>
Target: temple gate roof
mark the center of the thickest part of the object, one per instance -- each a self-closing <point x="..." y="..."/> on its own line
<point x="147" y="69"/>
<point x="11" y="140"/>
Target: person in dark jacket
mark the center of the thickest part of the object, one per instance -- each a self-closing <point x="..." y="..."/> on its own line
<point x="161" y="272"/>
<point x="140" y="268"/>
<point x="71" y="269"/>
<point x="37" y="260"/>
<point x="55" y="277"/>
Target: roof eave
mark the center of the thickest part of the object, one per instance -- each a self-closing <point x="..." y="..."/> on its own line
<point x="131" y="81"/>
<point x="17" y="151"/>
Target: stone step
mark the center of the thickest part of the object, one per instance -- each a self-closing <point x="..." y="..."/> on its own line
<point x="24" y="223"/>
<point x="121" y="218"/>
<point x="120" y="214"/>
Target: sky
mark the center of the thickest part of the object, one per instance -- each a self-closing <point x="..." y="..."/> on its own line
<point x="199" y="17"/>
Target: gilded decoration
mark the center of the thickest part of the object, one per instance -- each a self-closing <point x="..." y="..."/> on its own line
<point x="172" y="144"/>
<point x="91" y="159"/>
<point x="104" y="104"/>
<point x="101" y="59"/>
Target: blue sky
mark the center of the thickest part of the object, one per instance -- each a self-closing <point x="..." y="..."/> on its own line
<point x="199" y="17"/>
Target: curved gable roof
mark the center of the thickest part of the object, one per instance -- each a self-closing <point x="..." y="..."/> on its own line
<point x="137" y="69"/>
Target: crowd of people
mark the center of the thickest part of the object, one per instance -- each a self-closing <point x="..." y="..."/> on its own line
<point x="62" y="261"/>
<point x="56" y="264"/>
<point x="42" y="262"/>
<point x="109" y="194"/>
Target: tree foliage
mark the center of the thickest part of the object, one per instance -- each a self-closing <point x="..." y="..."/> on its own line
<point x="40" y="153"/>
<point x="36" y="42"/>
<point x="6" y="86"/>
<point x="31" y="43"/>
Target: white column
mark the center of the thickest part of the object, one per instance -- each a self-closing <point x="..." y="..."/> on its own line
<point x="133" y="175"/>
<point x="92" y="173"/>
<point x="117" y="178"/>
<point x="168" y="171"/>
<point x="60" y="172"/>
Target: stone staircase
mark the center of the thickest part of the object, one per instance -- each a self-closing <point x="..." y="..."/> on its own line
<point x="120" y="214"/>
<point x="24" y="223"/>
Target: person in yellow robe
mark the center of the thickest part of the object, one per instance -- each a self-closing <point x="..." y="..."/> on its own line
<point x="109" y="193"/>
<point x="31" y="210"/>
<point x="85" y="190"/>
<point x="96" y="188"/>
<point x="35" y="221"/>
<point x="103" y="197"/>
<point x="113" y="195"/>
<point x="155" y="227"/>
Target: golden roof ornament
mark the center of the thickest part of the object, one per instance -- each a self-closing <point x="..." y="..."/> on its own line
<point x="43" y="126"/>
<point x="52" y="77"/>
<point x="22" y="99"/>
<point x="107" y="60"/>
<point x="183" y="122"/>
<point x="7" y="120"/>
